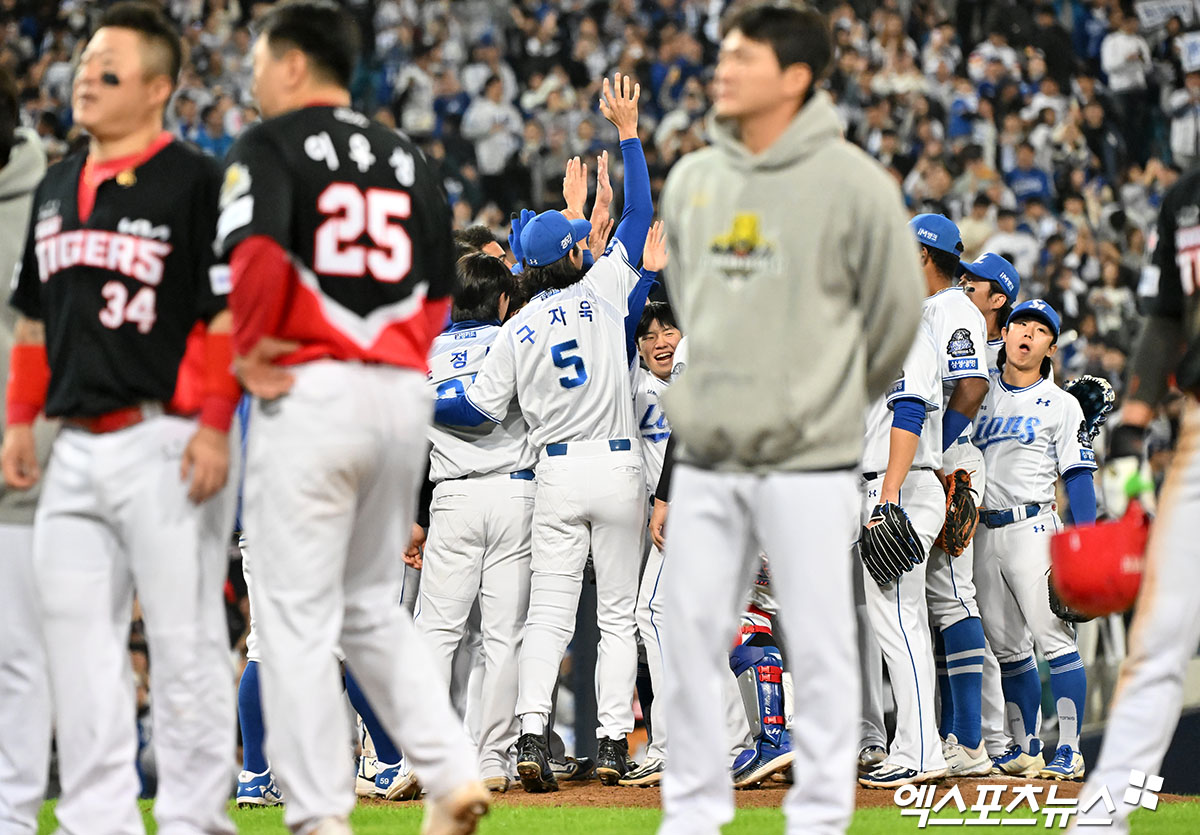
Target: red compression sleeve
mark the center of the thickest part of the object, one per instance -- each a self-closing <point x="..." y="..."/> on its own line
<point x="221" y="389"/>
<point x="261" y="274"/>
<point x="28" y="379"/>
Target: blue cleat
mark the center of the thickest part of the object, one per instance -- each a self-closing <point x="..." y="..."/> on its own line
<point x="257" y="790"/>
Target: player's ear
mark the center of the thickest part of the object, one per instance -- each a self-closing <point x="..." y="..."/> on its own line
<point x="159" y="88"/>
<point x="1050" y="352"/>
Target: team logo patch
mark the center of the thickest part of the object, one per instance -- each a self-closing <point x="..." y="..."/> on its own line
<point x="236" y="184"/>
<point x="743" y="252"/>
<point x="960" y="344"/>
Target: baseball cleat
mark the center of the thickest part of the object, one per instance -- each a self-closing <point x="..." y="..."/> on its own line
<point x="962" y="761"/>
<point x="645" y="775"/>
<point x="784" y="777"/>
<point x="612" y="760"/>
<point x="533" y="764"/>
<point x="870" y="757"/>
<point x="257" y="789"/>
<point x="1066" y="765"/>
<point x="498" y="784"/>
<point x="893" y="776"/>
<point x="458" y="813"/>
<point x="397" y="782"/>
<point x="1016" y="763"/>
<point x="364" y="782"/>
<point x="756" y="764"/>
<point x="573" y="768"/>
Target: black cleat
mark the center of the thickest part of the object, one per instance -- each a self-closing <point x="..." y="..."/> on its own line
<point x="533" y="764"/>
<point x="612" y="761"/>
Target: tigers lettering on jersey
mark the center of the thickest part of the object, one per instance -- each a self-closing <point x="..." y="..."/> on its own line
<point x="130" y="255"/>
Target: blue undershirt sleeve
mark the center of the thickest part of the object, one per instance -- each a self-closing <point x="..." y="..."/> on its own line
<point x="1081" y="493"/>
<point x="908" y="414"/>
<point x="638" y="212"/>
<point x="953" y="425"/>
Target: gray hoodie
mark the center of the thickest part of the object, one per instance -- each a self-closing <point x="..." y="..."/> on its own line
<point x="18" y="179"/>
<point x="796" y="279"/>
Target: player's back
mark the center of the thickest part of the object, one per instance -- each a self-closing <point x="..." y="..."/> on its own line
<point x="454" y="360"/>
<point x="572" y="371"/>
<point x="362" y="216"/>
<point x="960" y="333"/>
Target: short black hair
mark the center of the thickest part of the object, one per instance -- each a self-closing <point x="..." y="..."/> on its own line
<point x="660" y="312"/>
<point x="479" y="279"/>
<point x="556" y="276"/>
<point x="796" y="34"/>
<point x="946" y="263"/>
<point x="476" y="237"/>
<point x="10" y="114"/>
<point x="152" y="24"/>
<point x="322" y="30"/>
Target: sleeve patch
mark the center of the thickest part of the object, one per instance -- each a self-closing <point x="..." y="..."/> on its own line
<point x="220" y="278"/>
<point x="960" y="344"/>
<point x="971" y="364"/>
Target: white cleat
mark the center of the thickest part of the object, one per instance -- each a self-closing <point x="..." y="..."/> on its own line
<point x="962" y="761"/>
<point x="458" y="813"/>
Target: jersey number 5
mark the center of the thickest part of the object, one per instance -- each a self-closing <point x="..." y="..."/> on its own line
<point x="348" y="213"/>
<point x="562" y="360"/>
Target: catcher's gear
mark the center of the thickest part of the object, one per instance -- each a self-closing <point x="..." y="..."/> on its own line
<point x="1061" y="610"/>
<point x="1097" y="569"/>
<point x="962" y="514"/>
<point x="1096" y="397"/>
<point x="891" y="547"/>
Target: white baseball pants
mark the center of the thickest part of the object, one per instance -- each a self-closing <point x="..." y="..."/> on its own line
<point x="24" y="689"/>
<point x="593" y="496"/>
<point x="1166" y="629"/>
<point x="949" y="583"/>
<point x="479" y="547"/>
<point x="114" y="517"/>
<point x="331" y="479"/>
<point x="806" y="522"/>
<point x="900" y="619"/>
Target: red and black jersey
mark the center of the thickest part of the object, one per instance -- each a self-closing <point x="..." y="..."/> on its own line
<point x="121" y="282"/>
<point x="358" y="223"/>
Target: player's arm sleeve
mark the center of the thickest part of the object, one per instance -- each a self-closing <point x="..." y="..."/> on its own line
<point x="918" y="382"/>
<point x="26" y="295"/>
<point x="887" y="275"/>
<point x="1160" y="292"/>
<point x="634" y="307"/>
<point x="494" y="388"/>
<point x="638" y="212"/>
<point x="1071" y="442"/>
<point x="1081" y="494"/>
<point x="908" y="414"/>
<point x="256" y="195"/>
<point x="662" y="492"/>
<point x="260" y="275"/>
<point x="211" y="279"/>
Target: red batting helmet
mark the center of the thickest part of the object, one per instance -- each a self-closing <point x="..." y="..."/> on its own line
<point x="1097" y="569"/>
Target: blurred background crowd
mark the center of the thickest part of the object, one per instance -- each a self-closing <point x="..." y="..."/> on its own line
<point x="1047" y="129"/>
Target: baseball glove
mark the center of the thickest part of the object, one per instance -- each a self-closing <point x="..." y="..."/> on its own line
<point x="962" y="514"/>
<point x="891" y="547"/>
<point x="1061" y="610"/>
<point x="1096" y="397"/>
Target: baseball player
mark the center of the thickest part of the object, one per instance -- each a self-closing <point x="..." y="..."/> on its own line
<point x="769" y="441"/>
<point x="25" y="698"/>
<point x="116" y="272"/>
<point x="564" y="358"/>
<point x="1166" y="622"/>
<point x="481" y="516"/>
<point x="339" y="243"/>
<point x="1031" y="432"/>
<point x="993" y="284"/>
<point x="902" y="452"/>
<point x="960" y="333"/>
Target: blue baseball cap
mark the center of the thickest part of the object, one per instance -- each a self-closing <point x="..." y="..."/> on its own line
<point x="991" y="267"/>
<point x="549" y="236"/>
<point x="1038" y="309"/>
<point x="937" y="231"/>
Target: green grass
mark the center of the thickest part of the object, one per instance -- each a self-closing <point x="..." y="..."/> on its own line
<point x="1169" y="819"/>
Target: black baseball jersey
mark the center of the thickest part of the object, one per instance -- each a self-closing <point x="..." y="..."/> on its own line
<point x="1169" y="285"/>
<point x="362" y="217"/>
<point x="120" y="292"/>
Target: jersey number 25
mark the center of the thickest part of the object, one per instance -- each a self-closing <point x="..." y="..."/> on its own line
<point x="348" y="213"/>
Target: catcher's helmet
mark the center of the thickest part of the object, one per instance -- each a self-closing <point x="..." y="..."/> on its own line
<point x="1097" y="569"/>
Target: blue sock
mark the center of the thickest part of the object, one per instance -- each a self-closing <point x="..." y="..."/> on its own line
<point x="945" y="697"/>
<point x="250" y="717"/>
<point x="1023" y="690"/>
<point x="385" y="749"/>
<point x="964" y="667"/>
<point x="1068" y="683"/>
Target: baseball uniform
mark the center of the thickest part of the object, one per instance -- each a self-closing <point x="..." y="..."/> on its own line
<point x="897" y="611"/>
<point x="350" y="237"/>
<point x="479" y="539"/>
<point x="119" y="272"/>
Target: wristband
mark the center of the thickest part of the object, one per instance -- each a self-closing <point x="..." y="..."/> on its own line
<point x="28" y="380"/>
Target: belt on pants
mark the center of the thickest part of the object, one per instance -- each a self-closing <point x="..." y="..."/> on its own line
<point x="1000" y="518"/>
<point x="873" y="476"/>
<point x="519" y="475"/>
<point x="962" y="439"/>
<point x="117" y="419"/>
<point x="619" y="445"/>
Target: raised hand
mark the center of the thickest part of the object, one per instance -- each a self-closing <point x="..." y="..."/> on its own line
<point x="604" y="189"/>
<point x="575" y="187"/>
<point x="598" y="238"/>
<point x="619" y="104"/>
<point x="654" y="256"/>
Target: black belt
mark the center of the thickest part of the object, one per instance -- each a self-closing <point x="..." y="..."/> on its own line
<point x="873" y="476"/>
